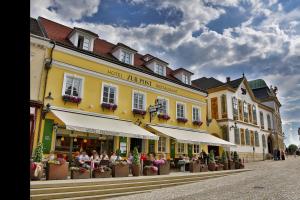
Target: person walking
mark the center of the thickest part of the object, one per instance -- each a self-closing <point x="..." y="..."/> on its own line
<point x="278" y="154"/>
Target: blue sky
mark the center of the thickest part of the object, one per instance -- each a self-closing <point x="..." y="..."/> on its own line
<point x="260" y="38"/>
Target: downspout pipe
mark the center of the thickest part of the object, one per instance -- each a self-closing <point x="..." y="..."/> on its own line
<point x="48" y="65"/>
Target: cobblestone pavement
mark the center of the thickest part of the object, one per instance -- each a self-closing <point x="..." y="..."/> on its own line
<point x="269" y="180"/>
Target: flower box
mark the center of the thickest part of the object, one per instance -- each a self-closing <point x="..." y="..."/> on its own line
<point x="219" y="167"/>
<point x="120" y="170"/>
<point x="203" y="168"/>
<point x="164" y="168"/>
<point x="226" y="166"/>
<point x="104" y="174"/>
<point x="135" y="169"/>
<point x="212" y="166"/>
<point x="109" y="106"/>
<point x="57" y="171"/>
<point x="150" y="171"/>
<point x="194" y="166"/>
<point x="197" y="123"/>
<point x="139" y="112"/>
<point x="163" y="116"/>
<point x="231" y="164"/>
<point x="80" y="173"/>
<point x="72" y="99"/>
<point x="236" y="164"/>
<point x="184" y="120"/>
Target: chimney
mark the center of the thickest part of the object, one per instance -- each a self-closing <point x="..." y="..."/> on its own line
<point x="227" y="79"/>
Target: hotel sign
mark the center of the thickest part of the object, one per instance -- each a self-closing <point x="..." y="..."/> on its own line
<point x="140" y="81"/>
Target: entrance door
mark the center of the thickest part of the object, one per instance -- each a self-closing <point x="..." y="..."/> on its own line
<point x="214" y="148"/>
<point x="135" y="142"/>
<point x="270" y="145"/>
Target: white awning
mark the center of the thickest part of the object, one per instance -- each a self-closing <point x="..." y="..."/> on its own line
<point x="191" y="136"/>
<point x="101" y="125"/>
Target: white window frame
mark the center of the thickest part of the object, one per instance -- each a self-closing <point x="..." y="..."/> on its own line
<point x="109" y="85"/>
<point x="185" y="78"/>
<point x="157" y="66"/>
<point x="73" y="76"/>
<point x="178" y="145"/>
<point x="130" y="55"/>
<point x="145" y="99"/>
<point x="184" y="107"/>
<point x="196" y="148"/>
<point x="199" y="110"/>
<point x="167" y="104"/>
<point x="86" y="43"/>
<point x="162" y="142"/>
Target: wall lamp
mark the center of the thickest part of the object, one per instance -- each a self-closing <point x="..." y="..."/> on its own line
<point x="235" y="126"/>
<point x="46" y="110"/>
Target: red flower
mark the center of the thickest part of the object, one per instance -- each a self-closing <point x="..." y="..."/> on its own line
<point x="163" y="116"/>
<point x="71" y="99"/>
<point x="109" y="106"/>
<point x="139" y="112"/>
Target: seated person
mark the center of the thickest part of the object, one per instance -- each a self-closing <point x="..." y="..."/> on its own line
<point x="83" y="158"/>
<point x="114" y="157"/>
<point x="95" y="158"/>
<point x="104" y="156"/>
<point x="194" y="158"/>
<point x="160" y="161"/>
<point x="130" y="158"/>
<point x="51" y="156"/>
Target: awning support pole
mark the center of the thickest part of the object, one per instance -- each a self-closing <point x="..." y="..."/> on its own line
<point x="71" y="150"/>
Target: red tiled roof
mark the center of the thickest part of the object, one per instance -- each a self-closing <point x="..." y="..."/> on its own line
<point x="59" y="33"/>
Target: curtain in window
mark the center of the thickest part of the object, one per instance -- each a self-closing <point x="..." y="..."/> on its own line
<point x="256" y="139"/>
<point x="247" y="137"/>
<point x="237" y="136"/>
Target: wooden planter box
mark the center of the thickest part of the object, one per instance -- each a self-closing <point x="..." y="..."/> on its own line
<point x="135" y="169"/>
<point x="76" y="174"/>
<point x="231" y="165"/>
<point x="225" y="167"/>
<point x="242" y="166"/>
<point x="237" y="165"/>
<point x="149" y="172"/>
<point x="120" y="170"/>
<point x="194" y="167"/>
<point x="211" y="166"/>
<point x="98" y="174"/>
<point x="203" y="168"/>
<point x="164" y="169"/>
<point x="57" y="172"/>
<point x="219" y="167"/>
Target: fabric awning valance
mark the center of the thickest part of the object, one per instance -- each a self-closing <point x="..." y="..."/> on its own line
<point x="190" y="136"/>
<point x="100" y="125"/>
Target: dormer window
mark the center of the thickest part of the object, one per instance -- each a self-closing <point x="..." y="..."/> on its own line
<point x="83" y="43"/>
<point x="159" y="69"/>
<point x="126" y="57"/>
<point x="183" y="75"/>
<point x="185" y="79"/>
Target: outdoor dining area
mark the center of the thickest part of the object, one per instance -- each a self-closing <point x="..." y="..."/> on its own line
<point x="96" y="165"/>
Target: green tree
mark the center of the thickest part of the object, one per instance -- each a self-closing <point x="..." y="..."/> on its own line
<point x="38" y="153"/>
<point x="136" y="159"/>
<point x="224" y="157"/>
<point x="292" y="148"/>
<point x="211" y="157"/>
<point x="235" y="156"/>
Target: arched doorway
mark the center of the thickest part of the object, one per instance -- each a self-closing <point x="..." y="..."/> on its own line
<point x="270" y="144"/>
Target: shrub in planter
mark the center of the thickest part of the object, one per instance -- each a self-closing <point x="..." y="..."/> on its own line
<point x="236" y="160"/>
<point x="183" y="120"/>
<point x="194" y="166"/>
<point x="104" y="172"/>
<point x="120" y="169"/>
<point x="37" y="165"/>
<point x="139" y="112"/>
<point x="242" y="166"/>
<point x="80" y="173"/>
<point x="224" y="160"/>
<point x="109" y="106"/>
<point x="136" y="164"/>
<point x="163" y="116"/>
<point x="72" y="99"/>
<point x="211" y="161"/>
<point x="57" y="169"/>
<point x="197" y="123"/>
<point x="203" y="168"/>
<point x="150" y="170"/>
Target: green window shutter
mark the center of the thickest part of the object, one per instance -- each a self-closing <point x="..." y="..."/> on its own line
<point x="190" y="150"/>
<point x="123" y="140"/>
<point x="151" y="146"/>
<point x="47" y="137"/>
<point x="172" y="148"/>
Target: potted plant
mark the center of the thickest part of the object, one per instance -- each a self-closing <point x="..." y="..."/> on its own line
<point x="224" y="160"/>
<point x="230" y="161"/>
<point x="37" y="165"/>
<point x="139" y="112"/>
<point x="136" y="164"/>
<point x="163" y="116"/>
<point x="80" y="173"/>
<point x="211" y="161"/>
<point x="120" y="168"/>
<point x="102" y="172"/>
<point x="236" y="160"/>
<point x="183" y="120"/>
<point x="194" y="166"/>
<point x="68" y="98"/>
<point x="109" y="106"/>
<point x="57" y="169"/>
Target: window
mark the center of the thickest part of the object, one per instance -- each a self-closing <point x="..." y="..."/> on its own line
<point x="162" y="143"/>
<point x="180" y="110"/>
<point x="196" y="114"/>
<point x="109" y="94"/>
<point x="214" y="108"/>
<point x="237" y="136"/>
<point x="252" y="138"/>
<point x="235" y="108"/>
<point x="139" y="101"/>
<point x="247" y="137"/>
<point x="185" y="79"/>
<point x="223" y="106"/>
<point x="245" y="112"/>
<point x="196" y="148"/>
<point x="254" y="114"/>
<point x="164" y="106"/>
<point x="256" y="139"/>
<point x="269" y="122"/>
<point x="261" y="115"/>
<point x="80" y="42"/>
<point x="250" y="113"/>
<point x="126" y="57"/>
<point x="242" y="136"/>
<point x="180" y="147"/>
<point x="86" y="44"/>
<point x="72" y="85"/>
<point x="240" y="110"/>
<point x="159" y="69"/>
<point x="264" y="141"/>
